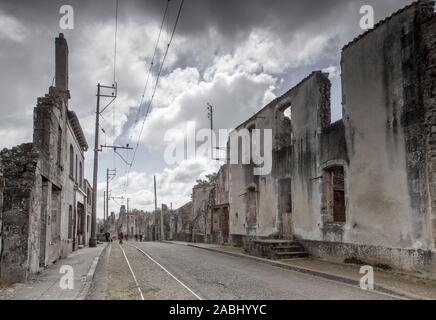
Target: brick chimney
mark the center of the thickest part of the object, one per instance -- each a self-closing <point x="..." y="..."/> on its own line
<point x="61" y="63"/>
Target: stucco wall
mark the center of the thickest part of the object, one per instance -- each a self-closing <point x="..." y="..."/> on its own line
<point x="310" y="103"/>
<point x="386" y="178"/>
<point x="268" y="220"/>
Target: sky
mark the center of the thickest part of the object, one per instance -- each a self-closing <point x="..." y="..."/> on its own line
<point x="236" y="55"/>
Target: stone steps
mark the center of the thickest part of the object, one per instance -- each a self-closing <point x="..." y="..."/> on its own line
<point x="288" y="250"/>
<point x="276" y="249"/>
<point x="290" y="255"/>
<point x="294" y="248"/>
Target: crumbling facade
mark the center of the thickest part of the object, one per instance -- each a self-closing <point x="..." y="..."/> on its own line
<point x="386" y="174"/>
<point x="133" y="224"/>
<point x="363" y="188"/>
<point x="260" y="205"/>
<point x="34" y="214"/>
<point x="206" y="217"/>
<point x="202" y="201"/>
<point x="181" y="223"/>
<point x="219" y="210"/>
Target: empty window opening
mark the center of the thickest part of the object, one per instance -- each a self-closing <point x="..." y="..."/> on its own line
<point x="71" y="162"/>
<point x="287" y="113"/>
<point x="75" y="177"/>
<point x="283" y="133"/>
<point x="70" y="221"/>
<point x="59" y="147"/>
<point x="334" y="184"/>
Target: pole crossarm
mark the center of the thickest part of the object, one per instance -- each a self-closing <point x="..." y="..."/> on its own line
<point x="113" y="96"/>
<point x="115" y="148"/>
<point x="116" y="198"/>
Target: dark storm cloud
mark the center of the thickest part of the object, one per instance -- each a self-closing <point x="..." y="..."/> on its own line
<point x="232" y="18"/>
<point x="235" y="17"/>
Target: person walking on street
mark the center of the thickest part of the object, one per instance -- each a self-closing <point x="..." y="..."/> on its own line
<point x="121" y="237"/>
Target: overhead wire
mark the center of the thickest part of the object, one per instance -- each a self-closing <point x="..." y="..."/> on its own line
<point x="155" y="89"/>
<point x="144" y="91"/>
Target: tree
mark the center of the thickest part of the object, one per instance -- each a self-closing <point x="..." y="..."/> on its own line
<point x="209" y="181"/>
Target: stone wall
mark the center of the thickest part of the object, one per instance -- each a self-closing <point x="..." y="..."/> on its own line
<point x="2" y="185"/>
<point x="309" y="113"/>
<point x="21" y="213"/>
<point x="429" y="96"/>
<point x="182" y="223"/>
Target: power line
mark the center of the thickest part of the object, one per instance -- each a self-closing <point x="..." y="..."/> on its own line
<point x="151" y="66"/>
<point x="115" y="72"/>
<point x="115" y="42"/>
<point x="146" y="83"/>
<point x="156" y="85"/>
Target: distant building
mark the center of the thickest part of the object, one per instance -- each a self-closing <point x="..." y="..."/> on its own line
<point x="85" y="234"/>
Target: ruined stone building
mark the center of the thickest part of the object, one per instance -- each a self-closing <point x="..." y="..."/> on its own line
<point x="181" y="223"/>
<point x="202" y="202"/>
<point x="260" y="205"/>
<point x="41" y="181"/>
<point x="363" y="187"/>
<point x="205" y="218"/>
<point x="134" y="222"/>
<point x="219" y="210"/>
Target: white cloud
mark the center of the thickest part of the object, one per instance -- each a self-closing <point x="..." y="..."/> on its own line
<point x="238" y="95"/>
<point x="10" y="138"/>
<point x="11" y="28"/>
<point x="333" y="71"/>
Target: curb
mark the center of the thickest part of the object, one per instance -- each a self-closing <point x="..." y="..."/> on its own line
<point x="90" y="276"/>
<point x="316" y="273"/>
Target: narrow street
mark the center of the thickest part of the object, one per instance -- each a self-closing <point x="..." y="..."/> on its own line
<point x="170" y="271"/>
